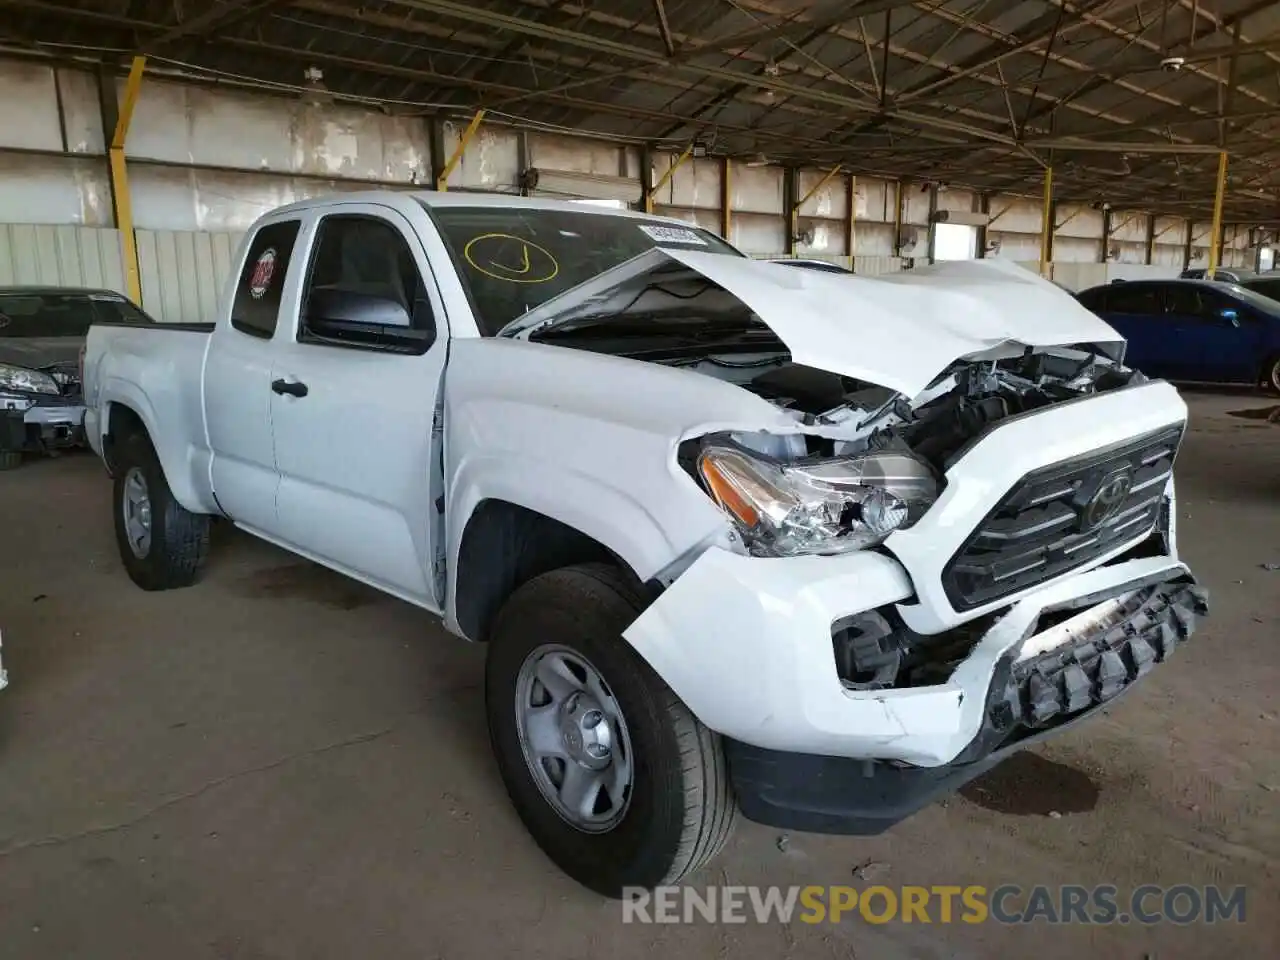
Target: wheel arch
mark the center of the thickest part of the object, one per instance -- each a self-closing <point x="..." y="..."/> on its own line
<point x="505" y="545"/>
<point x="120" y="421"/>
<point x="125" y="414"/>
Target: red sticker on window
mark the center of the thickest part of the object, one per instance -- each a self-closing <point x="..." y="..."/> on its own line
<point x="263" y="270"/>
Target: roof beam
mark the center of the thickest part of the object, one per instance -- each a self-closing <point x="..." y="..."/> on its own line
<point x="1218" y="24"/>
<point x="991" y="55"/>
<point x="214" y="18"/>
<point x="664" y="28"/>
<point x="784" y="29"/>
<point x="438" y="79"/>
<point x="1079" y="67"/>
<point x="813" y="94"/>
<point x="1099" y="80"/>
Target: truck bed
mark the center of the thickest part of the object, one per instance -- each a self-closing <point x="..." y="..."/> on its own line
<point x="158" y="372"/>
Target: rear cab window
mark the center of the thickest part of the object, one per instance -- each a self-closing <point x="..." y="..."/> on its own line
<point x="255" y="310"/>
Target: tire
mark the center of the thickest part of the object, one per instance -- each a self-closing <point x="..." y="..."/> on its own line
<point x="679" y="809"/>
<point x="10" y="460"/>
<point x="178" y="539"/>
<point x="1271" y="375"/>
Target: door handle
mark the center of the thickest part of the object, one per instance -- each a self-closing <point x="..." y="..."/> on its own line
<point x="292" y="388"/>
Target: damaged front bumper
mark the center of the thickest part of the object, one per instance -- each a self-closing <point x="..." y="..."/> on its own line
<point x="808" y="752"/>
<point x="32" y="424"/>
<point x="1029" y="699"/>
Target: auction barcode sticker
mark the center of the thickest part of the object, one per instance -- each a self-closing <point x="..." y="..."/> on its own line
<point x="663" y="234"/>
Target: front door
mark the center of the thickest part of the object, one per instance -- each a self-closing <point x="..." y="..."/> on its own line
<point x="237" y="376"/>
<point x="1215" y="337"/>
<point x="353" y="414"/>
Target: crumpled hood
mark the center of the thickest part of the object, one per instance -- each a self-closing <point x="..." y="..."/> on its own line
<point x="37" y="352"/>
<point x="898" y="331"/>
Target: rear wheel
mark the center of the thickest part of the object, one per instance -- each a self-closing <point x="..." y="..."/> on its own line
<point x="1271" y="375"/>
<point x="161" y="543"/>
<point x="615" y="779"/>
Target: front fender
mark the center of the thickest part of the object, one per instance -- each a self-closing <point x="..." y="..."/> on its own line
<point x="590" y="441"/>
<point x="613" y="517"/>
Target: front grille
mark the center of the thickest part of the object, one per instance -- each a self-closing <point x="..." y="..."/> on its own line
<point x="1061" y="517"/>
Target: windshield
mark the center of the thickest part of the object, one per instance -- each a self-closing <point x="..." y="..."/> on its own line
<point x="24" y="314"/>
<point x="512" y="259"/>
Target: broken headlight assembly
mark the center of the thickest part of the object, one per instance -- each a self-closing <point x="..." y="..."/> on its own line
<point x="816" y="506"/>
<point x="26" y="381"/>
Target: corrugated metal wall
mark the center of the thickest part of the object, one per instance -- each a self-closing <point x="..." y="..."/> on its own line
<point x="205" y="162"/>
<point x="183" y="272"/>
<point x="61" y="256"/>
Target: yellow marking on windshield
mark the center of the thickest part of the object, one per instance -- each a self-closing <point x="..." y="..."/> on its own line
<point x="537" y="265"/>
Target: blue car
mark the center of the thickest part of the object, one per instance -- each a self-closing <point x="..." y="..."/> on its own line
<point x="1194" y="330"/>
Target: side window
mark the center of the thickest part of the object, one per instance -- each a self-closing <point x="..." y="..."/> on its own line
<point x="256" y="306"/>
<point x="1095" y="299"/>
<point x="364" y="289"/>
<point x="1268" y="288"/>
<point x="1186" y="301"/>
<point x="1222" y="310"/>
<point x="1132" y="298"/>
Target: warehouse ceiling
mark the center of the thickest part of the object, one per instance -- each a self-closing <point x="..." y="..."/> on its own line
<point x="1130" y="101"/>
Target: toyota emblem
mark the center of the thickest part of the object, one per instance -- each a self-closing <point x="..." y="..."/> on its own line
<point x="1107" y="499"/>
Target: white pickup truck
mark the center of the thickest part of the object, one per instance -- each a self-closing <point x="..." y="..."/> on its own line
<point x="815" y="547"/>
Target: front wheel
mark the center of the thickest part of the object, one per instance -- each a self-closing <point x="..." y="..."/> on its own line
<point x="161" y="543"/>
<point x="616" y="780"/>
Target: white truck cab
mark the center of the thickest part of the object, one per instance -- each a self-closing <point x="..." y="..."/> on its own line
<point x="811" y="546"/>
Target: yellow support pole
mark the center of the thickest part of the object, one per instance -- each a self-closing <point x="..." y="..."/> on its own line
<point x="120" y="179"/>
<point x="442" y="182"/>
<point x="726" y="198"/>
<point x="671" y="170"/>
<point x="1046" y="226"/>
<point x="1215" y="237"/>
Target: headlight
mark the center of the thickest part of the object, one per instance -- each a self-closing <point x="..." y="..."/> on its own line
<point x="29" y="381"/>
<point x="818" y="506"/>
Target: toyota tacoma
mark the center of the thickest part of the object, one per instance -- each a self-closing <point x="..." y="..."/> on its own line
<point x="815" y="548"/>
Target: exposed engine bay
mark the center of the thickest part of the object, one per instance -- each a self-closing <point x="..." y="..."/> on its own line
<point x="866" y="456"/>
<point x="839" y="415"/>
<point x="863" y="460"/>
<point x="959" y="406"/>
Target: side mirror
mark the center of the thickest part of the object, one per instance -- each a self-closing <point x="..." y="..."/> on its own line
<point x="1230" y="315"/>
<point x="363" y="319"/>
<point x="327" y="305"/>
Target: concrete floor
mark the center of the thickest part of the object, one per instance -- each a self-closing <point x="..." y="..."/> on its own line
<point x="280" y="763"/>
